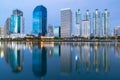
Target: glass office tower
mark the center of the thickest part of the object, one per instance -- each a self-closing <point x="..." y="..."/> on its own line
<point x="56" y="31"/>
<point x="17" y="22"/>
<point x="40" y="21"/>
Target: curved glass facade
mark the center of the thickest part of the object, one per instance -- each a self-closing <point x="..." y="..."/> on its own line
<point x="40" y="21"/>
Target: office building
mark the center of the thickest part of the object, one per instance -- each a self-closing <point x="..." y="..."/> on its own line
<point x="105" y="23"/>
<point x="85" y="30"/>
<point x="78" y="23"/>
<point x="16" y="24"/>
<point x="40" y="21"/>
<point x="56" y="31"/>
<point x="66" y="22"/>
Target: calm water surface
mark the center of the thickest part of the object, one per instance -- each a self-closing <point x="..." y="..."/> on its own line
<point x="59" y="61"/>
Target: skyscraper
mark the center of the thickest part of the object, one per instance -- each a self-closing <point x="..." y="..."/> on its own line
<point x="17" y="23"/>
<point x="78" y="22"/>
<point x="105" y="23"/>
<point x="96" y="18"/>
<point x="40" y="21"/>
<point x="66" y="22"/>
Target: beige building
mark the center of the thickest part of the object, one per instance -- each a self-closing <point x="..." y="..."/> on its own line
<point x="2" y="31"/>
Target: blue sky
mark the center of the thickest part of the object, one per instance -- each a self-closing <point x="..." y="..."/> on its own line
<point x="54" y="6"/>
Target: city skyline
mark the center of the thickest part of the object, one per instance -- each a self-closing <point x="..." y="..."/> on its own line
<point x="54" y="10"/>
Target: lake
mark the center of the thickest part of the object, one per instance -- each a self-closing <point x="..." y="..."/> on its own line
<point x="59" y="61"/>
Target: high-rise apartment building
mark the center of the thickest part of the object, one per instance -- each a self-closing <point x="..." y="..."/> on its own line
<point x="87" y="16"/>
<point x="78" y="22"/>
<point x="105" y="23"/>
<point x="66" y="22"/>
<point x="96" y="21"/>
<point x="40" y="21"/>
<point x="85" y="30"/>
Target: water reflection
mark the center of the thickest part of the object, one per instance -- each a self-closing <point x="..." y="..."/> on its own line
<point x="91" y="56"/>
<point x="67" y="58"/>
<point x="39" y="60"/>
<point x="14" y="56"/>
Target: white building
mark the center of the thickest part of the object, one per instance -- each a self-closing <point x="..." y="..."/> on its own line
<point x="2" y="30"/>
<point x="117" y="31"/>
<point x="66" y="22"/>
<point x="85" y="29"/>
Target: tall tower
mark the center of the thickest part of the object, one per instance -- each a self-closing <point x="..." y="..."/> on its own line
<point x="87" y="17"/>
<point x="105" y="23"/>
<point x="66" y="22"/>
<point x="96" y="17"/>
<point x="78" y="22"/>
<point x="17" y="23"/>
<point x="40" y="21"/>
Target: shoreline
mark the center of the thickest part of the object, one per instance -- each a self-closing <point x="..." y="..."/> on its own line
<point x="59" y="40"/>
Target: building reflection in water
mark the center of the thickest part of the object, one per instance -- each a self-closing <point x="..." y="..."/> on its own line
<point x="14" y="56"/>
<point x="117" y="49"/>
<point x="39" y="60"/>
<point x="82" y="57"/>
<point x="56" y="49"/>
<point x="106" y="57"/>
<point x="89" y="55"/>
<point x="96" y="57"/>
<point x="66" y="59"/>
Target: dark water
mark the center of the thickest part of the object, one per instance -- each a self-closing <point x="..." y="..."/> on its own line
<point x="59" y="61"/>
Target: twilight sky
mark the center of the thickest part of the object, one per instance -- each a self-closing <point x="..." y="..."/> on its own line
<point x="54" y="6"/>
